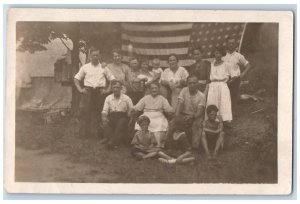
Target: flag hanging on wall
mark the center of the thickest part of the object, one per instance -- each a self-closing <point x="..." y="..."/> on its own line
<point x="161" y="39"/>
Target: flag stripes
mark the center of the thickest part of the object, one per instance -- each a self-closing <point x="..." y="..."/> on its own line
<point x="162" y="39"/>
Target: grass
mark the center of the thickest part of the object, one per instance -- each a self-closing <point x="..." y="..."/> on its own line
<point x="249" y="155"/>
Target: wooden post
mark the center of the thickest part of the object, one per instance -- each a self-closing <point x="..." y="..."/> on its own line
<point x="74" y="35"/>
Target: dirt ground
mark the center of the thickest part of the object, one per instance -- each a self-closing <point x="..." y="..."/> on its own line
<point x="55" y="153"/>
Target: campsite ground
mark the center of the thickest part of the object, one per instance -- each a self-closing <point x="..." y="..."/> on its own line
<point x="55" y="153"/>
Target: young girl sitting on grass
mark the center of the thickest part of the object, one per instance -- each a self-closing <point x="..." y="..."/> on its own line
<point x="144" y="142"/>
<point x="213" y="134"/>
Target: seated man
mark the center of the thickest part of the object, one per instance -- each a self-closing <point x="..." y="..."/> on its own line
<point x="115" y="115"/>
<point x="213" y="134"/>
<point x="178" y="149"/>
<point x="190" y="108"/>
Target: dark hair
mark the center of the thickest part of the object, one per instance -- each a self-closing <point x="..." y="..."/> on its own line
<point x="218" y="49"/>
<point x="191" y="76"/>
<point x="143" y="118"/>
<point x="116" y="50"/>
<point x="154" y="83"/>
<point x="114" y="82"/>
<point x="94" y="49"/>
<point x="174" y="55"/>
<point x="133" y="58"/>
<point x="144" y="60"/>
<point x="211" y="108"/>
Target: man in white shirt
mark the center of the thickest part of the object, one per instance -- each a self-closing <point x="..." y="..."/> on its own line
<point x="115" y="116"/>
<point x="94" y="78"/>
<point x="236" y="61"/>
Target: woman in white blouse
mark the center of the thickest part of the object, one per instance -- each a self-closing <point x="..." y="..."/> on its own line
<point x="174" y="79"/>
<point x="218" y="93"/>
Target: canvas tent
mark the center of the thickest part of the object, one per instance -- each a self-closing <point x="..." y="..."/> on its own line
<point x="36" y="85"/>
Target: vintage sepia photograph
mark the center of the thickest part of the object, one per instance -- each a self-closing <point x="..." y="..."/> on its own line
<point x="125" y="101"/>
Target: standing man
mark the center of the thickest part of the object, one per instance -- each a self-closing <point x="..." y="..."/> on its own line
<point x="201" y="69"/>
<point x="236" y="61"/>
<point x="92" y="92"/>
<point x="115" y="116"/>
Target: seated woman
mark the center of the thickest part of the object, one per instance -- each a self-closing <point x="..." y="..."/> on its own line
<point x="213" y="134"/>
<point x="154" y="106"/>
<point x="179" y="149"/>
<point x="143" y="142"/>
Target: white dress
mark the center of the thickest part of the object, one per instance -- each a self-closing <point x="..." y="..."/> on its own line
<point x="218" y="93"/>
<point x="153" y="107"/>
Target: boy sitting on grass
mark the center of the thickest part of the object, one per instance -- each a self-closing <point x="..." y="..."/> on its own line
<point x="180" y="151"/>
<point x="144" y="142"/>
<point x="213" y="134"/>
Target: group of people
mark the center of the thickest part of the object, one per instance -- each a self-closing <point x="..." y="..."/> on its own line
<point x="162" y="113"/>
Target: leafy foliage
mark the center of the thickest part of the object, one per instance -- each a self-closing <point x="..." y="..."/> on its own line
<point x="35" y="35"/>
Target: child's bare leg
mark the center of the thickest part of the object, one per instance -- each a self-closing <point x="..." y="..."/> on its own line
<point x="184" y="155"/>
<point x="204" y="144"/>
<point x="139" y="155"/>
<point x="164" y="155"/>
<point x="187" y="160"/>
<point x="157" y="138"/>
<point x="150" y="155"/>
<point x="219" y="143"/>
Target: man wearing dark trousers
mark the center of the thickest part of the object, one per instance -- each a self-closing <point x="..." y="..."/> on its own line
<point x="236" y="61"/>
<point x="115" y="116"/>
<point x="92" y="93"/>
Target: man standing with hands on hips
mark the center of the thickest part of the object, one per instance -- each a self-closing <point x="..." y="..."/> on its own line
<point x="236" y="61"/>
<point x="93" y="92"/>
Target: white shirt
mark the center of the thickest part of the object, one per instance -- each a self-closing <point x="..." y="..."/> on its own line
<point x="220" y="72"/>
<point x="122" y="104"/>
<point x="156" y="71"/>
<point x="94" y="76"/>
<point x="235" y="60"/>
<point x="144" y="76"/>
<point x="169" y="75"/>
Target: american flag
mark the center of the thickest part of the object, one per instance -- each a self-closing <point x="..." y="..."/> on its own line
<point x="161" y="39"/>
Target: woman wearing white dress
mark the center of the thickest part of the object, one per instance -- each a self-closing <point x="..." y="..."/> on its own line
<point x="173" y="79"/>
<point x="218" y="93"/>
<point x="155" y="106"/>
